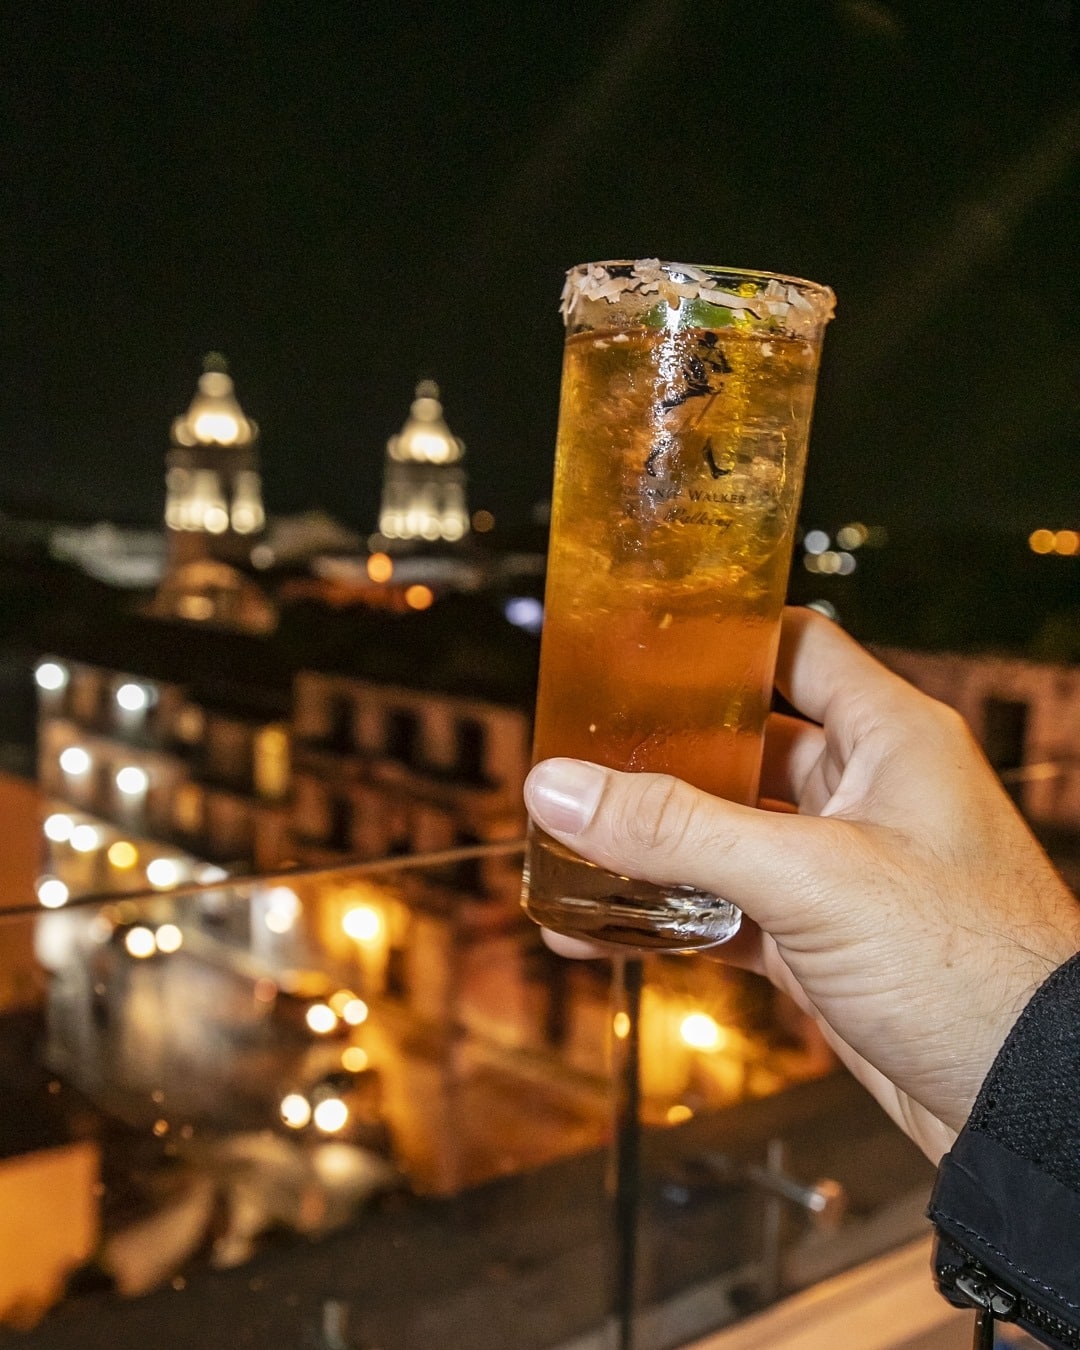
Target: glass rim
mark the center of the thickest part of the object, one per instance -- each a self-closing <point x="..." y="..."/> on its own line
<point x="777" y="295"/>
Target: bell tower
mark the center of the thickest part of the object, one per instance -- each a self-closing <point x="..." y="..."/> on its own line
<point x="213" y="513"/>
<point x="213" y="505"/>
<point x="423" y="496"/>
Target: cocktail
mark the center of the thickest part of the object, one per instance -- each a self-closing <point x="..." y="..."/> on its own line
<point x="685" y="412"/>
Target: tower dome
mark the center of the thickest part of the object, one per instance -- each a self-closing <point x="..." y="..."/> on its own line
<point x="214" y="417"/>
<point x="212" y="479"/>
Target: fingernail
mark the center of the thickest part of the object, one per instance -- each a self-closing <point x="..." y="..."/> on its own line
<point x="563" y="794"/>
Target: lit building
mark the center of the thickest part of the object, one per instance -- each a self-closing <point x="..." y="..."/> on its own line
<point x="423" y="496"/>
<point x="255" y="751"/>
<point x="214" y="502"/>
<point x="383" y="770"/>
<point x="213" y="511"/>
<point x="179" y="747"/>
<point x="1026" y="716"/>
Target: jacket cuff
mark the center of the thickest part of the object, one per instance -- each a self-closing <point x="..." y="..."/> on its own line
<point x="1007" y="1196"/>
<point x="1018" y="1222"/>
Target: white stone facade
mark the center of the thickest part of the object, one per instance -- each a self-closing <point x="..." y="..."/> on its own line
<point x="1025" y="715"/>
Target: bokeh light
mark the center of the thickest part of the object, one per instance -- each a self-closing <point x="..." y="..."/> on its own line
<point x="163" y="872"/>
<point x="321" y="1018"/>
<point x="362" y="923"/>
<point x="52" y="892"/>
<point x="123" y="854"/>
<point x="419" y="597"/>
<point x="380" y="567"/>
<point x="700" y="1031"/>
<point x="295" y="1110"/>
<point x="331" y="1115"/>
<point x="58" y="827"/>
<point x="140" y="942"/>
<point x="75" y="761"/>
<point x="169" y="938"/>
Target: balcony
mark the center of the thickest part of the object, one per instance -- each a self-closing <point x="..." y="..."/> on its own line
<point x="356" y="1106"/>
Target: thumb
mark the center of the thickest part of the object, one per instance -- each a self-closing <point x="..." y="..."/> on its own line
<point x="657" y="828"/>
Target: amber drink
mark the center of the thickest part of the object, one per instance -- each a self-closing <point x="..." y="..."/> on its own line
<point x="684" y="417"/>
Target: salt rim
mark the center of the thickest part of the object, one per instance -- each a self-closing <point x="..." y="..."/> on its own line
<point x="782" y="298"/>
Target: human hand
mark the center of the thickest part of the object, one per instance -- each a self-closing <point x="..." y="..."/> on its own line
<point x="905" y="906"/>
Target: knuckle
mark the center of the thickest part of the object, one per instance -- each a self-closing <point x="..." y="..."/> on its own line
<point x="655" y="816"/>
<point x="952" y="726"/>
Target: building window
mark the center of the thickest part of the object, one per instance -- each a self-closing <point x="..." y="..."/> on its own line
<point x="469" y="872"/>
<point x="1005" y="725"/>
<point x="403" y="736"/>
<point x="187" y="809"/>
<point x="272" y="762"/>
<point x="229" y="752"/>
<point x="471" y="745"/>
<point x="396" y="982"/>
<point x="339" y="724"/>
<point x="189" y="725"/>
<point x="1005" y="734"/>
<point x="88" y="697"/>
<point x="340" y="823"/>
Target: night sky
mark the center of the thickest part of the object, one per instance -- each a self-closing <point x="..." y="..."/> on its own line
<point x="346" y="197"/>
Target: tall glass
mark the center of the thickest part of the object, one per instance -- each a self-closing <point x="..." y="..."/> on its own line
<point x="684" y="418"/>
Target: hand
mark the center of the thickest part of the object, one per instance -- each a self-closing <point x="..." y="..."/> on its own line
<point x="905" y="906"/>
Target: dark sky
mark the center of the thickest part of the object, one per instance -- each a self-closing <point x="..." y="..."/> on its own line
<point x="347" y="196"/>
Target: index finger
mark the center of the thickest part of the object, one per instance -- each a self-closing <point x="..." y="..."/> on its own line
<point x="829" y="677"/>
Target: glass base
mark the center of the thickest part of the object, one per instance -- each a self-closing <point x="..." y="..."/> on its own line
<point x="569" y="895"/>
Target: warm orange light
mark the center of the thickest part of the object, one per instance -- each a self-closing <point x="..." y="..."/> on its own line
<point x="295" y="1110"/>
<point x="380" y="567"/>
<point x="678" y="1113"/>
<point x="339" y="999"/>
<point x="123" y="855"/>
<point x="321" y="1018"/>
<point x="700" y="1031"/>
<point x="419" y="597"/>
<point x="483" y="521"/>
<point x="362" y="923"/>
<point x="331" y="1115"/>
<point x="1041" y="541"/>
<point x="620" y="1025"/>
<point x="1067" y="543"/>
<point x="354" y="1058"/>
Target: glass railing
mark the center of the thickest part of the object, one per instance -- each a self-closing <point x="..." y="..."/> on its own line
<point x="365" y="1106"/>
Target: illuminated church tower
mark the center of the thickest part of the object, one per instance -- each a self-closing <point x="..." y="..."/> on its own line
<point x="213" y="506"/>
<point x="213" y="511"/>
<point x="423" y="497"/>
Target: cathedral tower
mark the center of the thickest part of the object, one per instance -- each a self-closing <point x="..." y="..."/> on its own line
<point x="213" y="507"/>
<point x="423" y="497"/>
<point x="213" y="512"/>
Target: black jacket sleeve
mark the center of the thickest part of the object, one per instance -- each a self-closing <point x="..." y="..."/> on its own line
<point x="1006" y="1205"/>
